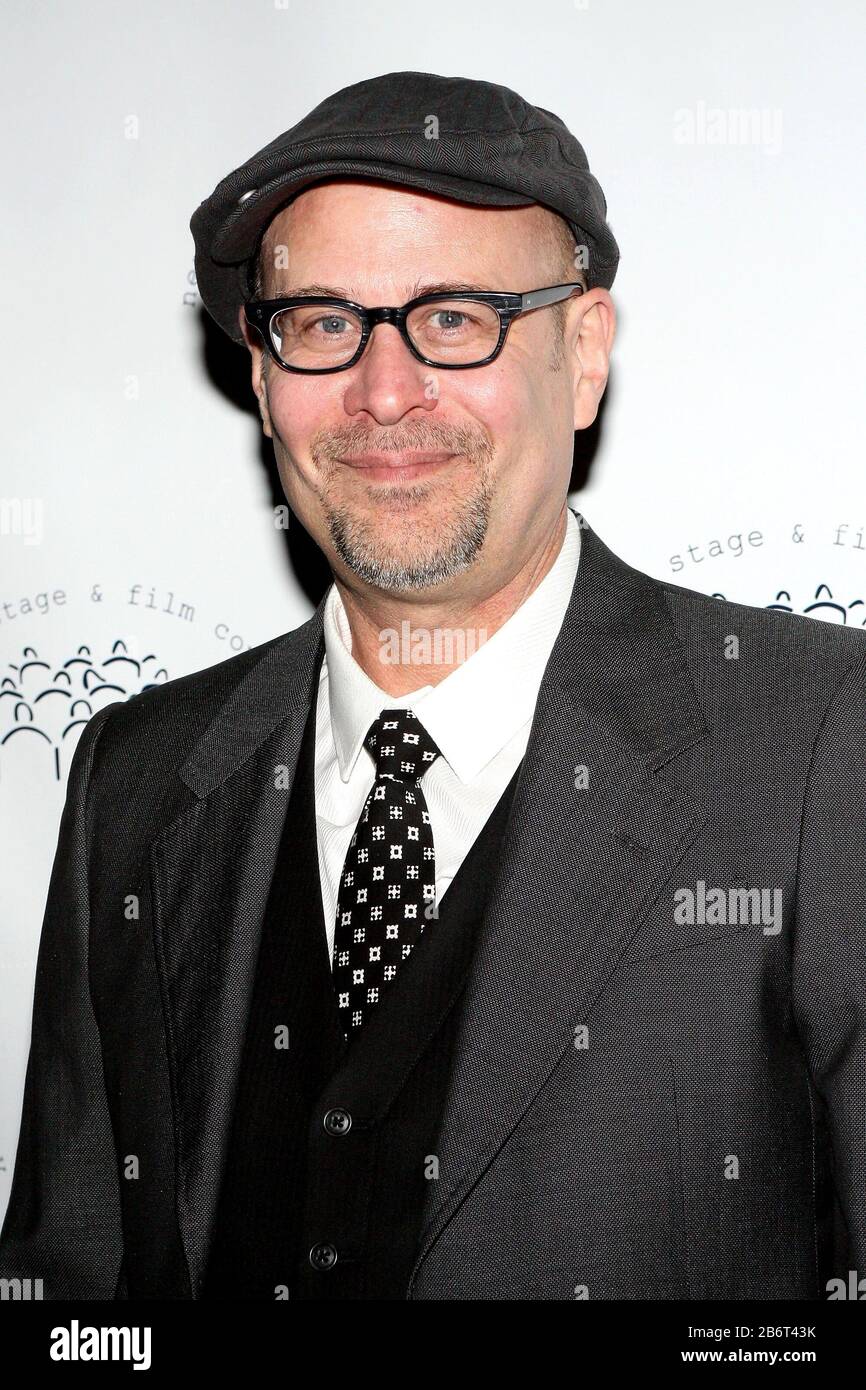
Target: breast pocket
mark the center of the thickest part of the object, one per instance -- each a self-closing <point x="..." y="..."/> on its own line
<point x="677" y="923"/>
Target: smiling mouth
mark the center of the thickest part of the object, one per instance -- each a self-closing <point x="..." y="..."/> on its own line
<point x="412" y="463"/>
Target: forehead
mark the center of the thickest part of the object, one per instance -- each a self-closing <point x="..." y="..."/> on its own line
<point x="361" y="233"/>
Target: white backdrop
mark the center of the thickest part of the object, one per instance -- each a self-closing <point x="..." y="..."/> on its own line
<point x="728" y="140"/>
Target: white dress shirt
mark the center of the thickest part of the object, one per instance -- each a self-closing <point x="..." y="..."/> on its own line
<point x="479" y="716"/>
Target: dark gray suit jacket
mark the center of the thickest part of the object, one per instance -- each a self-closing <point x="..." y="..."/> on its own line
<point x="641" y="1107"/>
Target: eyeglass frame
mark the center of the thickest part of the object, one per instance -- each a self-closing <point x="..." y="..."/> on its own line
<point x="260" y="313"/>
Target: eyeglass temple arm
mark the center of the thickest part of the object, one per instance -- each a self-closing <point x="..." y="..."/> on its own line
<point x="540" y="298"/>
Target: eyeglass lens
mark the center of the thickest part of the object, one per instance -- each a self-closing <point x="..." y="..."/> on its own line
<point x="445" y="331"/>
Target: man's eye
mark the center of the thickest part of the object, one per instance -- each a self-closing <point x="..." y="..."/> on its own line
<point x="449" y="319"/>
<point x="332" y="324"/>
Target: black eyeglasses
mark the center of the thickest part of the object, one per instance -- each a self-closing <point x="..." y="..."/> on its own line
<point x="317" y="334"/>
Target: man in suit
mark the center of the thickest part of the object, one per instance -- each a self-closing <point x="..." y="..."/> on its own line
<point x="498" y="933"/>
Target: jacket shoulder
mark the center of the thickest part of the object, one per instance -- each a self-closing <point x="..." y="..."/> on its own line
<point x="773" y="632"/>
<point x="776" y="681"/>
<point x="153" y="732"/>
<point x="189" y="698"/>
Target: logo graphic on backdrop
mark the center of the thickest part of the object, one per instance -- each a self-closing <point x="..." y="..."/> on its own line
<point x="693" y="566"/>
<point x="823" y="605"/>
<point x="47" y="696"/>
<point x="44" y="705"/>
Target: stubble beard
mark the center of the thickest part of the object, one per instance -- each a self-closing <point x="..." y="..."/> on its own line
<point x="395" y="544"/>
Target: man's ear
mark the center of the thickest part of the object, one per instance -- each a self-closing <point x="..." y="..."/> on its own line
<point x="259" y="359"/>
<point x="590" y="336"/>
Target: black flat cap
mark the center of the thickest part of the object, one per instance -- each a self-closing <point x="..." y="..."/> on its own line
<point x="486" y="145"/>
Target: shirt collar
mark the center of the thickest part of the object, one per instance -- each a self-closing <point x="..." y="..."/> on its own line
<point x="478" y="708"/>
<point x="354" y="700"/>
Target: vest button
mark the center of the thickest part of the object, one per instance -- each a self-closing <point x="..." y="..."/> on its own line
<point x="337" y="1121"/>
<point x="323" y="1255"/>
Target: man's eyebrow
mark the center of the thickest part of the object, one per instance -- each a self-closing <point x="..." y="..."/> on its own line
<point x="418" y="289"/>
<point x="296" y="291"/>
<point x="451" y="287"/>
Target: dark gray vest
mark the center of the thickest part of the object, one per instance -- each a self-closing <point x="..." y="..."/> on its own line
<point x="333" y="1145"/>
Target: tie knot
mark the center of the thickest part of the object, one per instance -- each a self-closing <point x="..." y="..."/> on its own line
<point x="401" y="746"/>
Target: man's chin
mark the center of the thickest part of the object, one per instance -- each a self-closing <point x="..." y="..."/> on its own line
<point x="400" y="565"/>
<point x="410" y="538"/>
<point x="396" y="573"/>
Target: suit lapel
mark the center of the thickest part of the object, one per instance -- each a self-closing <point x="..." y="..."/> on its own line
<point x="211" y="870"/>
<point x="579" y="867"/>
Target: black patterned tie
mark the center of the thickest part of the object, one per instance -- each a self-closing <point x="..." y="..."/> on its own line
<point x="389" y="876"/>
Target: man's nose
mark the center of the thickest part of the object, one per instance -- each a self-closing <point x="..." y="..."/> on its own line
<point x="388" y="381"/>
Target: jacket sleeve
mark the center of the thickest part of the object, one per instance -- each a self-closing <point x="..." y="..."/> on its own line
<point x="829" y="950"/>
<point x="62" y="1225"/>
